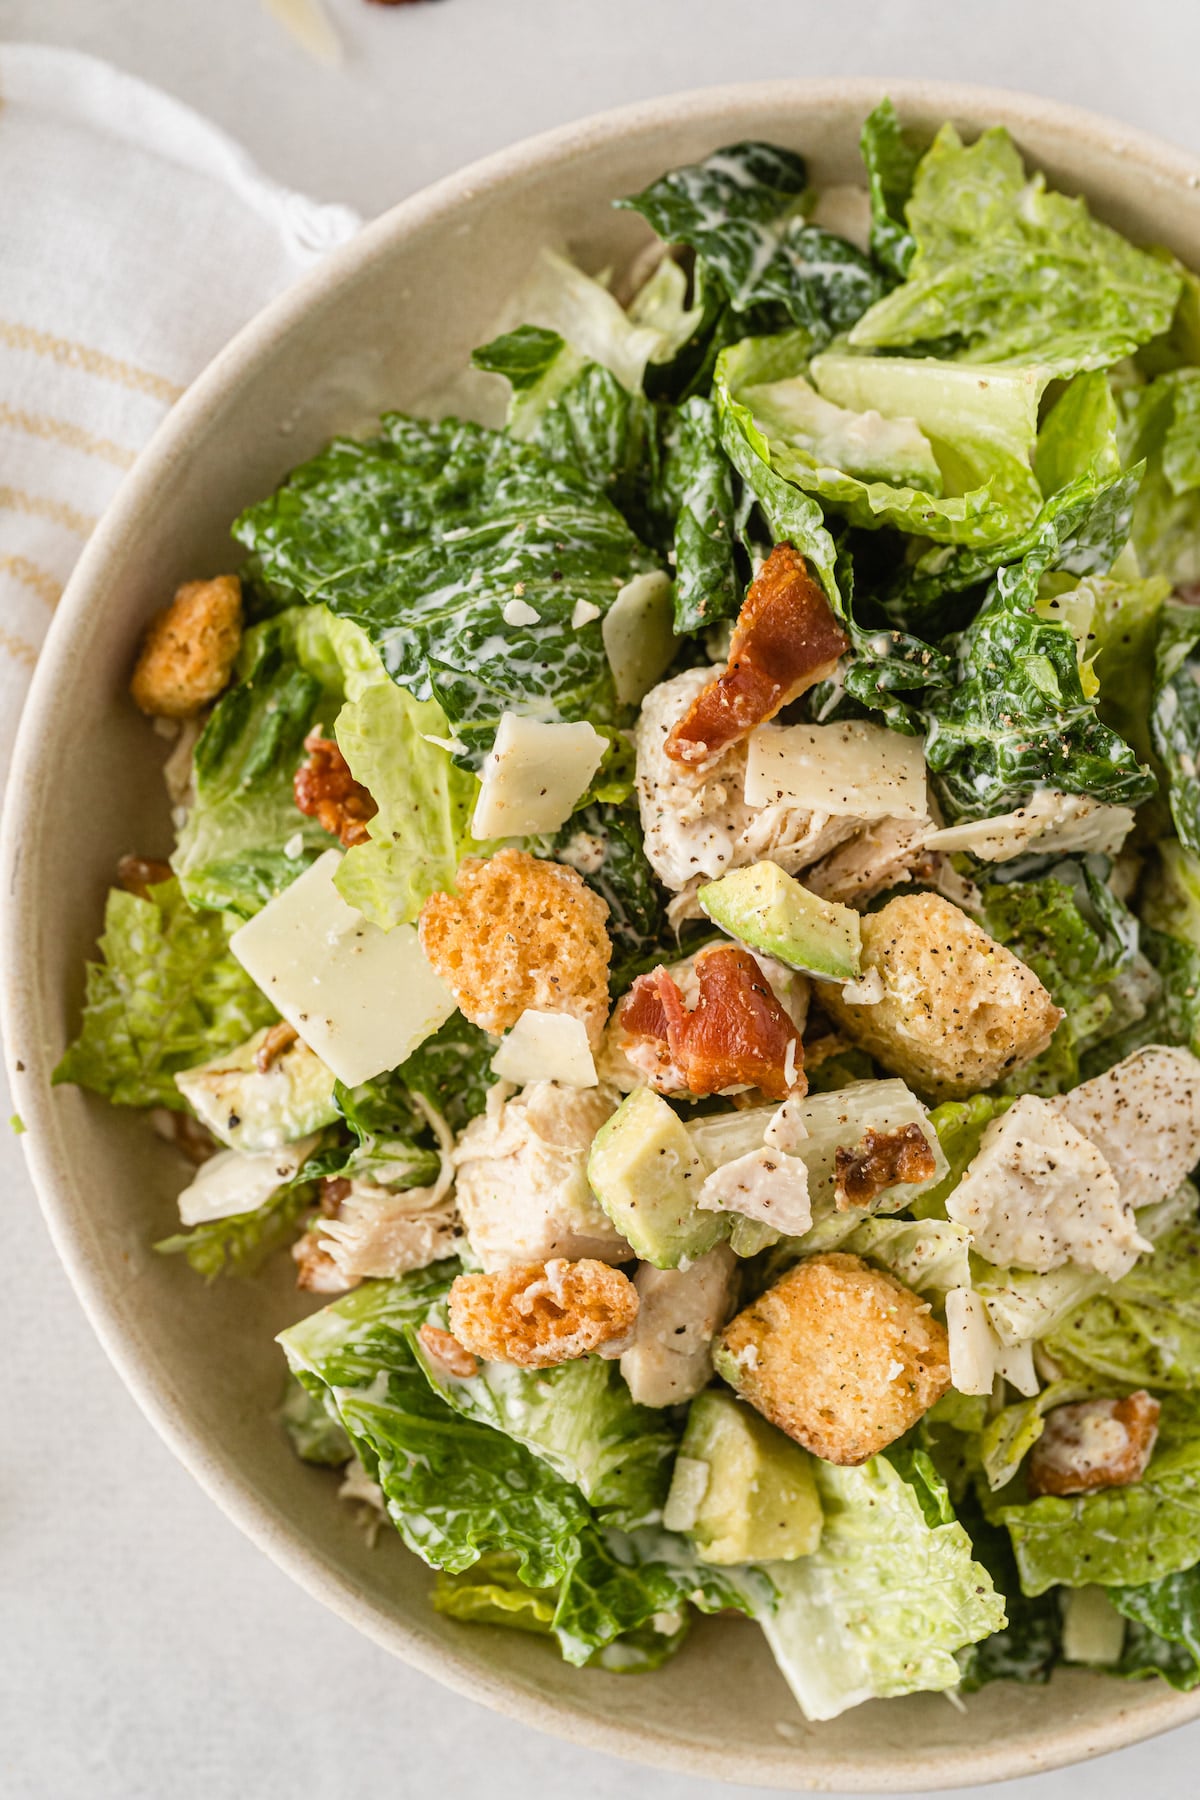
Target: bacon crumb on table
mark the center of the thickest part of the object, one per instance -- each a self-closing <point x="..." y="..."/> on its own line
<point x="786" y="639"/>
<point x="326" y="791"/>
<point x="737" y="1034"/>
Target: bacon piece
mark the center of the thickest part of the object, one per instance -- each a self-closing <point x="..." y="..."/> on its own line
<point x="736" y="1035"/>
<point x="786" y="639"/>
<point x="325" y="790"/>
<point x="881" y="1159"/>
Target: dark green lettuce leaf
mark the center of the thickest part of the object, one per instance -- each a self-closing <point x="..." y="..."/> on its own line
<point x="1163" y="1635"/>
<point x="742" y="210"/>
<point x="604" y="844"/>
<point x="166" y="995"/>
<point x="699" y="485"/>
<point x="1175" y="715"/>
<point x="424" y="536"/>
<point x="1029" y="1646"/>
<point x="452" y="1071"/>
<point x="891" y="156"/>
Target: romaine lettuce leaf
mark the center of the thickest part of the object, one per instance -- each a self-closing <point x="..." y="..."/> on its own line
<point x="166" y="995"/>
<point x="742" y="210"/>
<point x="240" y="1243"/>
<point x="1010" y="1434"/>
<point x="1119" y="1536"/>
<point x="1161" y="424"/>
<point x="1007" y="272"/>
<point x="884" y="1602"/>
<point x="891" y="157"/>
<point x="603" y="844"/>
<point x="1163" y="1637"/>
<point x="452" y="1071"/>
<point x="1144" y="1331"/>
<point x="1028" y="1647"/>
<point x="426" y="536"/>
<point x="931" y="1256"/>
<point x="245" y="840"/>
<point x="1175" y="714"/>
<point x="699" y="488"/>
<point x="312" y="1430"/>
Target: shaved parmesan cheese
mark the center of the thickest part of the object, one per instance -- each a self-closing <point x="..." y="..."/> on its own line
<point x="851" y="769"/>
<point x="582" y="614"/>
<point x="1093" y="1630"/>
<point x="689" y="1484"/>
<point x="766" y="1185"/>
<point x="533" y="775"/>
<point x="639" y="640"/>
<point x="519" y="612"/>
<point x="974" y="1346"/>
<point x="363" y="999"/>
<point x="1048" y="821"/>
<point x="230" y="1183"/>
<point x="546" y="1046"/>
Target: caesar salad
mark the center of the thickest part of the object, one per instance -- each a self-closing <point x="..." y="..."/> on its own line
<point x="684" y="921"/>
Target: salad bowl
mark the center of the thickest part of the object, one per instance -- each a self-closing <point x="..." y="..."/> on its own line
<point x="390" y="322"/>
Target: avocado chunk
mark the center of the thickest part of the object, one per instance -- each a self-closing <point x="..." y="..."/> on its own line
<point x="771" y="912"/>
<point x="741" y="1490"/>
<point x="253" y="1109"/>
<point x="645" y="1172"/>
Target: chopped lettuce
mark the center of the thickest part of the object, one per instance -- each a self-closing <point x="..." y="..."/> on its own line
<point x="960" y="1124"/>
<point x="1120" y="1536"/>
<point x="166" y="995"/>
<point x="603" y="843"/>
<point x="1163" y="1635"/>
<point x="240" y="1243"/>
<point x="1161" y="425"/>
<point x="1175" y="714"/>
<point x="891" y="157"/>
<point x="427" y="536"/>
<point x="742" y="210"/>
<point x="1144" y="1331"/>
<point x="884" y="1602"/>
<point x="931" y="1256"/>
<point x="1028" y="1647"/>
<point x="451" y="1071"/>
<point x="1006" y="272"/>
<point x="312" y="1430"/>
<point x="698" y="484"/>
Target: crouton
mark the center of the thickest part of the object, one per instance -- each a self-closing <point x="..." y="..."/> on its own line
<point x="520" y="933"/>
<point x="958" y="1010"/>
<point x="1094" y="1444"/>
<point x="839" y="1355"/>
<point x="189" y="649"/>
<point x="540" y="1314"/>
<point x="444" y="1349"/>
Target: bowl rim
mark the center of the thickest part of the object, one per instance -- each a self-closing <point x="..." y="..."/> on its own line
<point x="47" y="1156"/>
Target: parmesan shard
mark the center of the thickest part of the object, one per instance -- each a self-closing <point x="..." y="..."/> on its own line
<point x="639" y="638"/>
<point x="546" y="1046"/>
<point x="852" y="769"/>
<point x="533" y="775"/>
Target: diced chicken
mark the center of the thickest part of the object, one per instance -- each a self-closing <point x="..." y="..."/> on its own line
<point x="1039" y="1194"/>
<point x="736" y="1034"/>
<point x="680" y="1311"/>
<point x="958" y="1010"/>
<point x="538" y="1315"/>
<point x="1094" y="1444"/>
<point x="378" y="1234"/>
<point x="765" y="1185"/>
<point x="1143" y="1115"/>
<point x="695" y="822"/>
<point x="839" y="1355"/>
<point x="786" y="639"/>
<point x="881" y="855"/>
<point x="1049" y="820"/>
<point x="521" y="1177"/>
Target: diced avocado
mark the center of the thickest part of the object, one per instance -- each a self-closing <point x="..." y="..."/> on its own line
<point x="770" y="911"/>
<point x="253" y="1109"/>
<point x="759" y="1502"/>
<point x="646" y="1173"/>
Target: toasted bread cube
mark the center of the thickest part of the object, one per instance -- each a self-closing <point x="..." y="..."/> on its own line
<point x="839" y="1355"/>
<point x="958" y="1010"/>
<point x="189" y="649"/>
<point x="521" y="933"/>
<point x="1094" y="1444"/>
<point x="540" y="1314"/>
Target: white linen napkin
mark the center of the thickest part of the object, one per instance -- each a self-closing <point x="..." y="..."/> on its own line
<point x="136" y="238"/>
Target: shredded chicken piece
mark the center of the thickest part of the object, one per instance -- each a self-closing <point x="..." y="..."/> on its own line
<point x="326" y="791"/>
<point x="737" y="1034"/>
<point x="786" y="639"/>
<point x="377" y="1234"/>
<point x="882" y="1159"/>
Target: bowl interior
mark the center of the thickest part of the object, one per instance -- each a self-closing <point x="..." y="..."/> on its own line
<point x="390" y="323"/>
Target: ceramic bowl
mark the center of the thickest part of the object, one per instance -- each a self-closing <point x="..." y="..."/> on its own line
<point x="381" y="324"/>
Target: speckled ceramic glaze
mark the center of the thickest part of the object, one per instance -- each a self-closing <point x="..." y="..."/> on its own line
<point x="385" y="323"/>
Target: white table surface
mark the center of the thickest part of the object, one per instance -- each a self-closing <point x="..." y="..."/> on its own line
<point x="148" y="1650"/>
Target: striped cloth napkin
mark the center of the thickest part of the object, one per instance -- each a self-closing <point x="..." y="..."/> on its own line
<point x="137" y="239"/>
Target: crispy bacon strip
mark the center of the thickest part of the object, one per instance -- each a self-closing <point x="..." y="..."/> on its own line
<point x="737" y="1033"/>
<point x="880" y="1160"/>
<point x="786" y="639"/>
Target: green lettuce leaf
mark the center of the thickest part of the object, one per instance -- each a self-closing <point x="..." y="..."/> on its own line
<point x="699" y="490"/>
<point x="166" y="995"/>
<point x="742" y="210"/>
<point x="1163" y="1637"/>
<point x="1121" y="1536"/>
<point x="885" y="1601"/>
<point x="1006" y="272"/>
<point x="1029" y="1646"/>
<point x="960" y="1124"/>
<point x="1010" y="1434"/>
<point x="604" y="845"/>
<point x="892" y="157"/>
<point x="1145" y="1330"/>
<point x="245" y="840"/>
<point x="452" y="1071"/>
<point x="312" y="1430"/>
<point x="931" y="1256"/>
<point x="1161" y="425"/>
<point x="241" y="1243"/>
<point x="1175" y="714"/>
<point x="424" y="536"/>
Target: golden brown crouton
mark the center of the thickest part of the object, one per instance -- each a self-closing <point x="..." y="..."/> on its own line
<point x="1094" y="1444"/>
<point x="839" y="1355"/>
<point x="189" y="650"/>
<point x="958" y="1010"/>
<point x="520" y="933"/>
<point x="540" y="1314"/>
<point x="444" y="1349"/>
